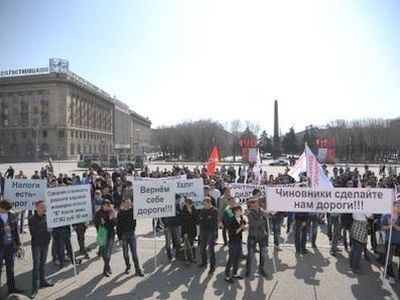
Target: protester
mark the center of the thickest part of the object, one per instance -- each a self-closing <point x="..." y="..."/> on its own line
<point x="300" y="232"/>
<point x="189" y="219"/>
<point x="105" y="216"/>
<point x="392" y="221"/>
<point x="222" y="204"/>
<point x="172" y="230"/>
<point x="9" y="244"/>
<point x="9" y="174"/>
<point x="126" y="226"/>
<point x="336" y="229"/>
<point x="257" y="235"/>
<point x="359" y="235"/>
<point x="235" y="228"/>
<point x="208" y="220"/>
<point x="39" y="244"/>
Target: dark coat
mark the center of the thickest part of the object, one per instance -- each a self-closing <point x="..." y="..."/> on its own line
<point x="189" y="222"/>
<point x="125" y="222"/>
<point x="12" y="222"/>
<point x="38" y="230"/>
<point x="109" y="223"/>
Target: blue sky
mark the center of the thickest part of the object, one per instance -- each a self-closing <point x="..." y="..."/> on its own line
<point x="180" y="60"/>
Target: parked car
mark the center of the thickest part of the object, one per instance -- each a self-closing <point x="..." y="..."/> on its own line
<point x="279" y="162"/>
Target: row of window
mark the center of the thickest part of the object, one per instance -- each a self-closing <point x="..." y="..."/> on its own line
<point x="89" y="149"/>
<point x="89" y="135"/>
<point x="27" y="150"/>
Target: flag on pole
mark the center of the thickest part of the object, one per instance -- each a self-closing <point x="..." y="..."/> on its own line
<point x="212" y="161"/>
<point x="298" y="168"/>
<point x="257" y="168"/>
<point x="315" y="172"/>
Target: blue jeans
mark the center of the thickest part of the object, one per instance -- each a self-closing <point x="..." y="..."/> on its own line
<point x="235" y="252"/>
<point x="106" y="253"/>
<point x="39" y="256"/>
<point x="357" y="249"/>
<point x="277" y="220"/>
<point x="172" y="238"/>
<point x="207" y="238"/>
<point x="129" y="240"/>
<point x="7" y="254"/>
<point x="62" y="241"/>
<point x="251" y="250"/>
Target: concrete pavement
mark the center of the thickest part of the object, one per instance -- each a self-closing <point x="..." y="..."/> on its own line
<point x="314" y="276"/>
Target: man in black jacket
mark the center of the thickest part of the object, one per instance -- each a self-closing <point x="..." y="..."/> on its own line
<point x="39" y="244"/>
<point x="126" y="226"/>
<point x="208" y="220"/>
<point x="171" y="230"/>
<point x="9" y="242"/>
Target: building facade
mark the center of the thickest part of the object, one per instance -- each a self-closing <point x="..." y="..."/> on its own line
<point x="122" y="127"/>
<point x="141" y="134"/>
<point x="56" y="113"/>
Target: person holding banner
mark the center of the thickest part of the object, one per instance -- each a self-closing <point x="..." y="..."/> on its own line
<point x="208" y="220"/>
<point x="257" y="235"/>
<point x="359" y="236"/>
<point x="9" y="243"/>
<point x="105" y="217"/>
<point x="172" y="230"/>
<point x="189" y="229"/>
<point x="392" y="243"/>
<point x="301" y="221"/>
<point x="40" y="244"/>
<point x="235" y="229"/>
<point x="126" y="226"/>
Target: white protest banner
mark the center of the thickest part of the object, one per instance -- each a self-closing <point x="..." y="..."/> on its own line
<point x="193" y="188"/>
<point x="335" y="200"/>
<point x="178" y="177"/>
<point x="154" y="199"/>
<point x="68" y="205"/>
<point x="243" y="192"/>
<point x="23" y="193"/>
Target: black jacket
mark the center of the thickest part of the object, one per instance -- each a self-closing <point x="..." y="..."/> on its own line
<point x="233" y="227"/>
<point x="38" y="230"/>
<point x="208" y="219"/>
<point x="12" y="222"/>
<point x="117" y="198"/>
<point x="173" y="221"/>
<point x="189" y="222"/>
<point x="109" y="223"/>
<point x="125" y="222"/>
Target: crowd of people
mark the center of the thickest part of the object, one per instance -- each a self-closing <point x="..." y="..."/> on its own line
<point x="194" y="230"/>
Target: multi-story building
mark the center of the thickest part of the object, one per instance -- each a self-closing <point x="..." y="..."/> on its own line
<point x="52" y="112"/>
<point x="141" y="133"/>
<point x="122" y="127"/>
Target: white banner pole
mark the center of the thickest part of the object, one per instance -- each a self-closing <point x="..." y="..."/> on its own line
<point x="73" y="254"/>
<point x="155" y="245"/>
<point x="269" y="238"/>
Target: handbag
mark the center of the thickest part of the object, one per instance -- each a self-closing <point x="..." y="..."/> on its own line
<point x="101" y="238"/>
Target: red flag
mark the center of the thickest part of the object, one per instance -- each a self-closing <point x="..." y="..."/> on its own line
<point x="212" y="161"/>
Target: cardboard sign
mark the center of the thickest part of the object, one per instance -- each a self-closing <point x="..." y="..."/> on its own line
<point x="23" y="193"/>
<point x="68" y="205"/>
